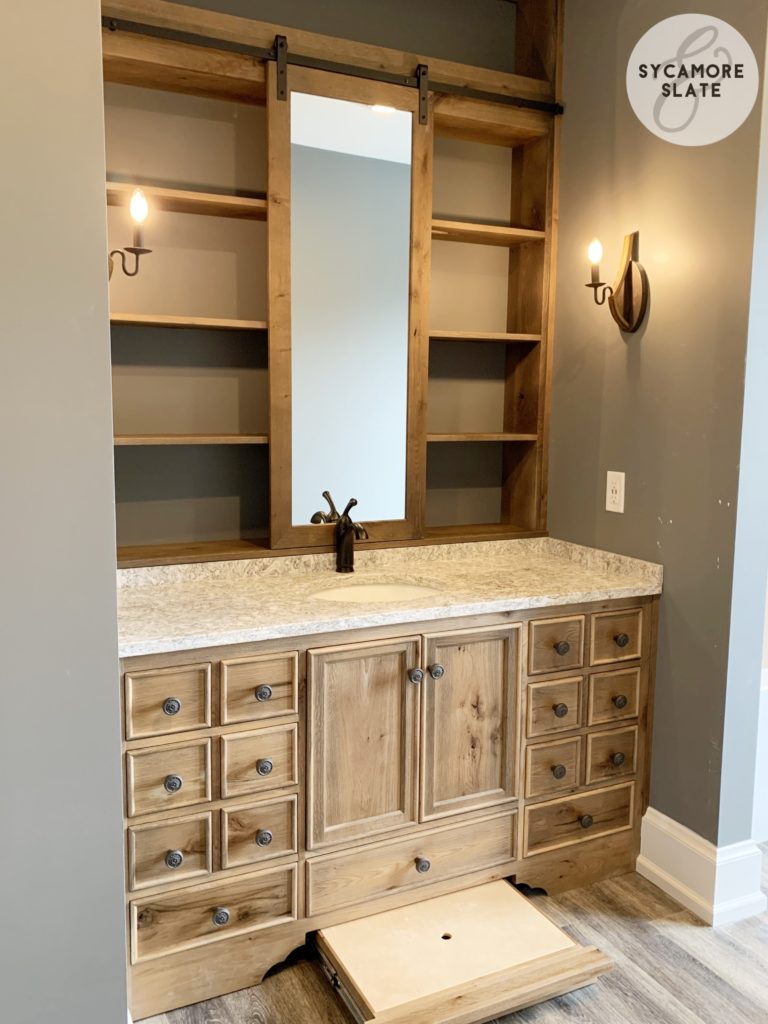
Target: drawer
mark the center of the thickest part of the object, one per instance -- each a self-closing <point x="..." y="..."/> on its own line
<point x="169" y="851"/>
<point x="166" y="778"/>
<point x="212" y="911"/>
<point x="554" y="705"/>
<point x="255" y="689"/>
<point x="555" y="645"/>
<point x="167" y="700"/>
<point x="616" y="636"/>
<point x="577" y="818"/>
<point x="553" y="767"/>
<point x="258" y="832"/>
<point x="611" y="755"/>
<point x="337" y="880"/>
<point x="256" y="762"/>
<point x="613" y="696"/>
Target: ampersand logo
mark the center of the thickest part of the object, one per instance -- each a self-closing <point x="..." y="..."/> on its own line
<point x="692" y="80"/>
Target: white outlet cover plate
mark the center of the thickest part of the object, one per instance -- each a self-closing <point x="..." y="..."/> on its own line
<point x="614" y="491"/>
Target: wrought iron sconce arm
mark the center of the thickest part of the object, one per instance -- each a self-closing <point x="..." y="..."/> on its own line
<point x="136" y="251"/>
<point x="628" y="298"/>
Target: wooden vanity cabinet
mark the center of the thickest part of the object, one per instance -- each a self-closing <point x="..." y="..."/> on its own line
<point x="386" y="766"/>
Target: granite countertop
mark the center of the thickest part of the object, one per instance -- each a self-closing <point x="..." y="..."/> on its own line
<point x="182" y="607"/>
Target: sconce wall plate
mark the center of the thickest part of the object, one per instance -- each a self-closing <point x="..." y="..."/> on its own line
<point x="629" y="302"/>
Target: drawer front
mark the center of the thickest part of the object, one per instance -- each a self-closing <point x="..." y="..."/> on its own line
<point x="255" y="689"/>
<point x="553" y="767"/>
<point x="555" y="645"/>
<point x="257" y="762"/>
<point x="214" y="910"/>
<point x="553" y="706"/>
<point x="613" y="696"/>
<point x="611" y="755"/>
<point x="166" y="778"/>
<point x="372" y="871"/>
<point x="577" y="818"/>
<point x="167" y="700"/>
<point x="169" y="851"/>
<point x="258" y="832"/>
<point x="616" y="636"/>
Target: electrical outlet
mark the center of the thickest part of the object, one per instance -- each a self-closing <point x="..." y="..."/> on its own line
<point x="614" y="492"/>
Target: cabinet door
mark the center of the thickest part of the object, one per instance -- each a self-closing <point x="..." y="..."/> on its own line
<point x="363" y="737"/>
<point x="468" y="720"/>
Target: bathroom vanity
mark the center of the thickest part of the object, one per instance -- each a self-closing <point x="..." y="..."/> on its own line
<point x="304" y="749"/>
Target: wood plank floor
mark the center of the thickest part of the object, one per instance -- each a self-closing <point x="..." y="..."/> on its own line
<point x="670" y="969"/>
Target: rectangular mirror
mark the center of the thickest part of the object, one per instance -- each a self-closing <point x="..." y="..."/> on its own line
<point x="350" y="269"/>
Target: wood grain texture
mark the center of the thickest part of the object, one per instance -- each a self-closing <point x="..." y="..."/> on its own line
<point x="608" y="688"/>
<point x="146" y="693"/>
<point x="544" y="696"/>
<point x="201" y="322"/>
<point x="241" y="824"/>
<point x="541" y="760"/>
<point x="543" y="637"/>
<point x="558" y="823"/>
<point x="241" y="679"/>
<point x="147" y="770"/>
<point x="242" y="754"/>
<point x="149" y="845"/>
<point x="607" y="627"/>
<point x="178" y="200"/>
<point x="132" y="440"/>
<point x="483" y="234"/>
<point x="604" y="747"/>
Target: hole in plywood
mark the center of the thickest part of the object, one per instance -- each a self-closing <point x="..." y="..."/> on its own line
<point x="446" y="935"/>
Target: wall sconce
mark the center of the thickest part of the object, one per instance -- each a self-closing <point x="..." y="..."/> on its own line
<point x="628" y="299"/>
<point x="139" y="208"/>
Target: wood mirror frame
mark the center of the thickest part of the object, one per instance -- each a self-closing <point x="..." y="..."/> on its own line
<point x="283" y="532"/>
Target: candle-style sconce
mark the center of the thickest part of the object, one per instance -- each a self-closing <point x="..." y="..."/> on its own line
<point x="139" y="208"/>
<point x="628" y="298"/>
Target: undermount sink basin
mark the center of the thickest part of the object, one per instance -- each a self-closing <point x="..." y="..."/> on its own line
<point x="367" y="593"/>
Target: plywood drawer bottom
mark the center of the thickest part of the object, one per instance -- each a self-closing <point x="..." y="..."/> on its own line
<point x="339" y="880"/>
<point x="577" y="818"/>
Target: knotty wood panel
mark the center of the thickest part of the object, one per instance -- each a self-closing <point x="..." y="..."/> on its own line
<point x="243" y="753"/>
<point x="147" y="772"/>
<point x="243" y="678"/>
<point x="578" y="818"/>
<point x="240" y="826"/>
<point x="149" y="845"/>
<point x="147" y="712"/>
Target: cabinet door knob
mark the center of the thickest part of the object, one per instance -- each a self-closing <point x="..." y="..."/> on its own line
<point x="416" y="675"/>
<point x="171" y="706"/>
<point x="562" y="647"/>
<point x="620" y="701"/>
<point x="560" y="710"/>
<point x="422" y="865"/>
<point x="586" y="821"/>
<point x="559" y="771"/>
<point x="174" y="859"/>
<point x="436" y="671"/>
<point x="263" y="693"/>
<point x="617" y="759"/>
<point x="621" y="639"/>
<point x="173" y="783"/>
<point x="263" y="837"/>
<point x="220" y="916"/>
<point x="264" y="766"/>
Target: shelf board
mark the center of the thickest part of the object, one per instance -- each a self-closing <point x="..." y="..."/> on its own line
<point x="178" y="200"/>
<point x="132" y="440"/>
<point x="484" y="234"/>
<point x="439" y="438"/>
<point x="134" y="555"/>
<point x="483" y="336"/>
<point x="201" y="322"/>
<point x="480" y="531"/>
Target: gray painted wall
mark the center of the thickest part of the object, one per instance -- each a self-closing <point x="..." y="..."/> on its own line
<point x="62" y="932"/>
<point x="665" y="404"/>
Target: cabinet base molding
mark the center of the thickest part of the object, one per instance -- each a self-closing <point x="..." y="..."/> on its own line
<point x="720" y="885"/>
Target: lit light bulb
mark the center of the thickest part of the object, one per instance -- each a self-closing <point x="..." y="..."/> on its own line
<point x="380" y="108"/>
<point x="595" y="252"/>
<point x="139" y="207"/>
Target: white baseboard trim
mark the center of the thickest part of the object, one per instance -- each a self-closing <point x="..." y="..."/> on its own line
<point x="718" y="884"/>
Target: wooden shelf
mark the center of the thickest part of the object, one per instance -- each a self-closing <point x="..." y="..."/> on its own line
<point x="132" y="440"/>
<point x="177" y="200"/>
<point x="483" y="336"/>
<point x="201" y="322"/>
<point x="131" y="556"/>
<point x="484" y="234"/>
<point x="440" y="438"/>
<point x="480" y="531"/>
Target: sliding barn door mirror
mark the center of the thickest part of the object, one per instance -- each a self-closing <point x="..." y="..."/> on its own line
<point x="349" y="227"/>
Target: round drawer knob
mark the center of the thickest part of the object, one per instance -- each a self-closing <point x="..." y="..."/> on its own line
<point x="618" y="759"/>
<point x="174" y="859"/>
<point x="436" y="671"/>
<point x="263" y="837"/>
<point x="559" y="771"/>
<point x="562" y="647"/>
<point x="220" y="917"/>
<point x="263" y="693"/>
<point x="172" y="706"/>
<point x="172" y="783"/>
<point x="586" y="821"/>
<point x="621" y="639"/>
<point x="416" y="675"/>
<point x="264" y="766"/>
<point x="560" y="710"/>
<point x="422" y="865"/>
<point x="620" y="701"/>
